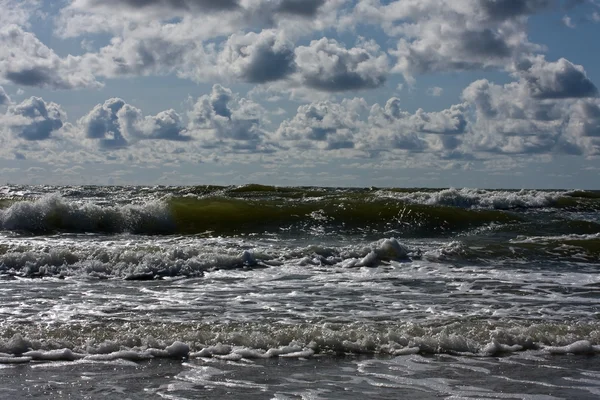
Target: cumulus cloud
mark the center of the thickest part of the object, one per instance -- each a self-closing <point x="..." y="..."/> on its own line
<point x="26" y="61"/>
<point x="205" y="41"/>
<point x="509" y="120"/>
<point x="324" y="65"/>
<point x="584" y="125"/>
<point x="392" y="127"/>
<point x="166" y="125"/>
<point x="550" y="109"/>
<point x="223" y="118"/>
<point x="351" y="124"/>
<point x="116" y="124"/>
<point x="327" y="65"/>
<point x="555" y="80"/>
<point x="150" y="52"/>
<point x="452" y="35"/>
<point x="323" y="125"/>
<point x="33" y="119"/>
<point x="102" y="124"/>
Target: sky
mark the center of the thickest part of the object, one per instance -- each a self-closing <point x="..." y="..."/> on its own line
<point x="402" y="93"/>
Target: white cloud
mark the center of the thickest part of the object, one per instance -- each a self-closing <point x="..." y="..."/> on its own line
<point x="392" y="128"/>
<point x="223" y="119"/>
<point x="435" y="91"/>
<point x="24" y="60"/>
<point x="166" y="125"/>
<point x="17" y="12"/>
<point x="508" y="120"/>
<point x="4" y="98"/>
<point x="568" y="22"/>
<point x="323" y="125"/>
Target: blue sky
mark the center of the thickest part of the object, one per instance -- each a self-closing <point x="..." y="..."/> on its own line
<point x="475" y="93"/>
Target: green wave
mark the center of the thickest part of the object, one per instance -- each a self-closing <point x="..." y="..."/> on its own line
<point x="226" y="215"/>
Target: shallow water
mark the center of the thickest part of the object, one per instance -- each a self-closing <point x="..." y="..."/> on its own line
<point x="530" y="376"/>
<point x="309" y="293"/>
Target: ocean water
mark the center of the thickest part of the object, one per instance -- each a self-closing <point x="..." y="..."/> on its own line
<point x="298" y="293"/>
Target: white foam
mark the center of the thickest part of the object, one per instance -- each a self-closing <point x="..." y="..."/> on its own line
<point x="129" y="355"/>
<point x="479" y="198"/>
<point x="218" y="349"/>
<point x="407" y="351"/>
<point x="579" y="347"/>
<point x="306" y="353"/>
<point x="494" y="348"/>
<point x="54" y="355"/>
<point x="383" y="250"/>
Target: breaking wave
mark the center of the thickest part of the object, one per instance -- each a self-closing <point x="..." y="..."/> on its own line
<point x="143" y="262"/>
<point x="229" y="216"/>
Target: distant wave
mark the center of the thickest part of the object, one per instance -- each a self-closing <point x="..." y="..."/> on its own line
<point x="499" y="199"/>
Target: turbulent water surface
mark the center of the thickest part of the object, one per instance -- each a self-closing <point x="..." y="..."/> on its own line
<point x="286" y="293"/>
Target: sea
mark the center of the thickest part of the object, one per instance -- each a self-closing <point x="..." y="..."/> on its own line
<point x="263" y="292"/>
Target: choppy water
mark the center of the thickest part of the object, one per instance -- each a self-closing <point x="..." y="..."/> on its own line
<point x="215" y="292"/>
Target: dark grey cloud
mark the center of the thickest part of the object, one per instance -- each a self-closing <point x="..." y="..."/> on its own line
<point x="484" y="43"/>
<point x="31" y="77"/>
<point x="270" y="66"/>
<point x="328" y="66"/>
<point x="507" y="9"/>
<point x="556" y="80"/>
<point x="258" y="58"/>
<point x="178" y="5"/>
<point x="34" y="119"/>
<point x="250" y="10"/>
<point x="305" y="8"/>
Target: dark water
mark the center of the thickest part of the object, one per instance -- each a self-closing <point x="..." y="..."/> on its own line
<point x="215" y="292"/>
